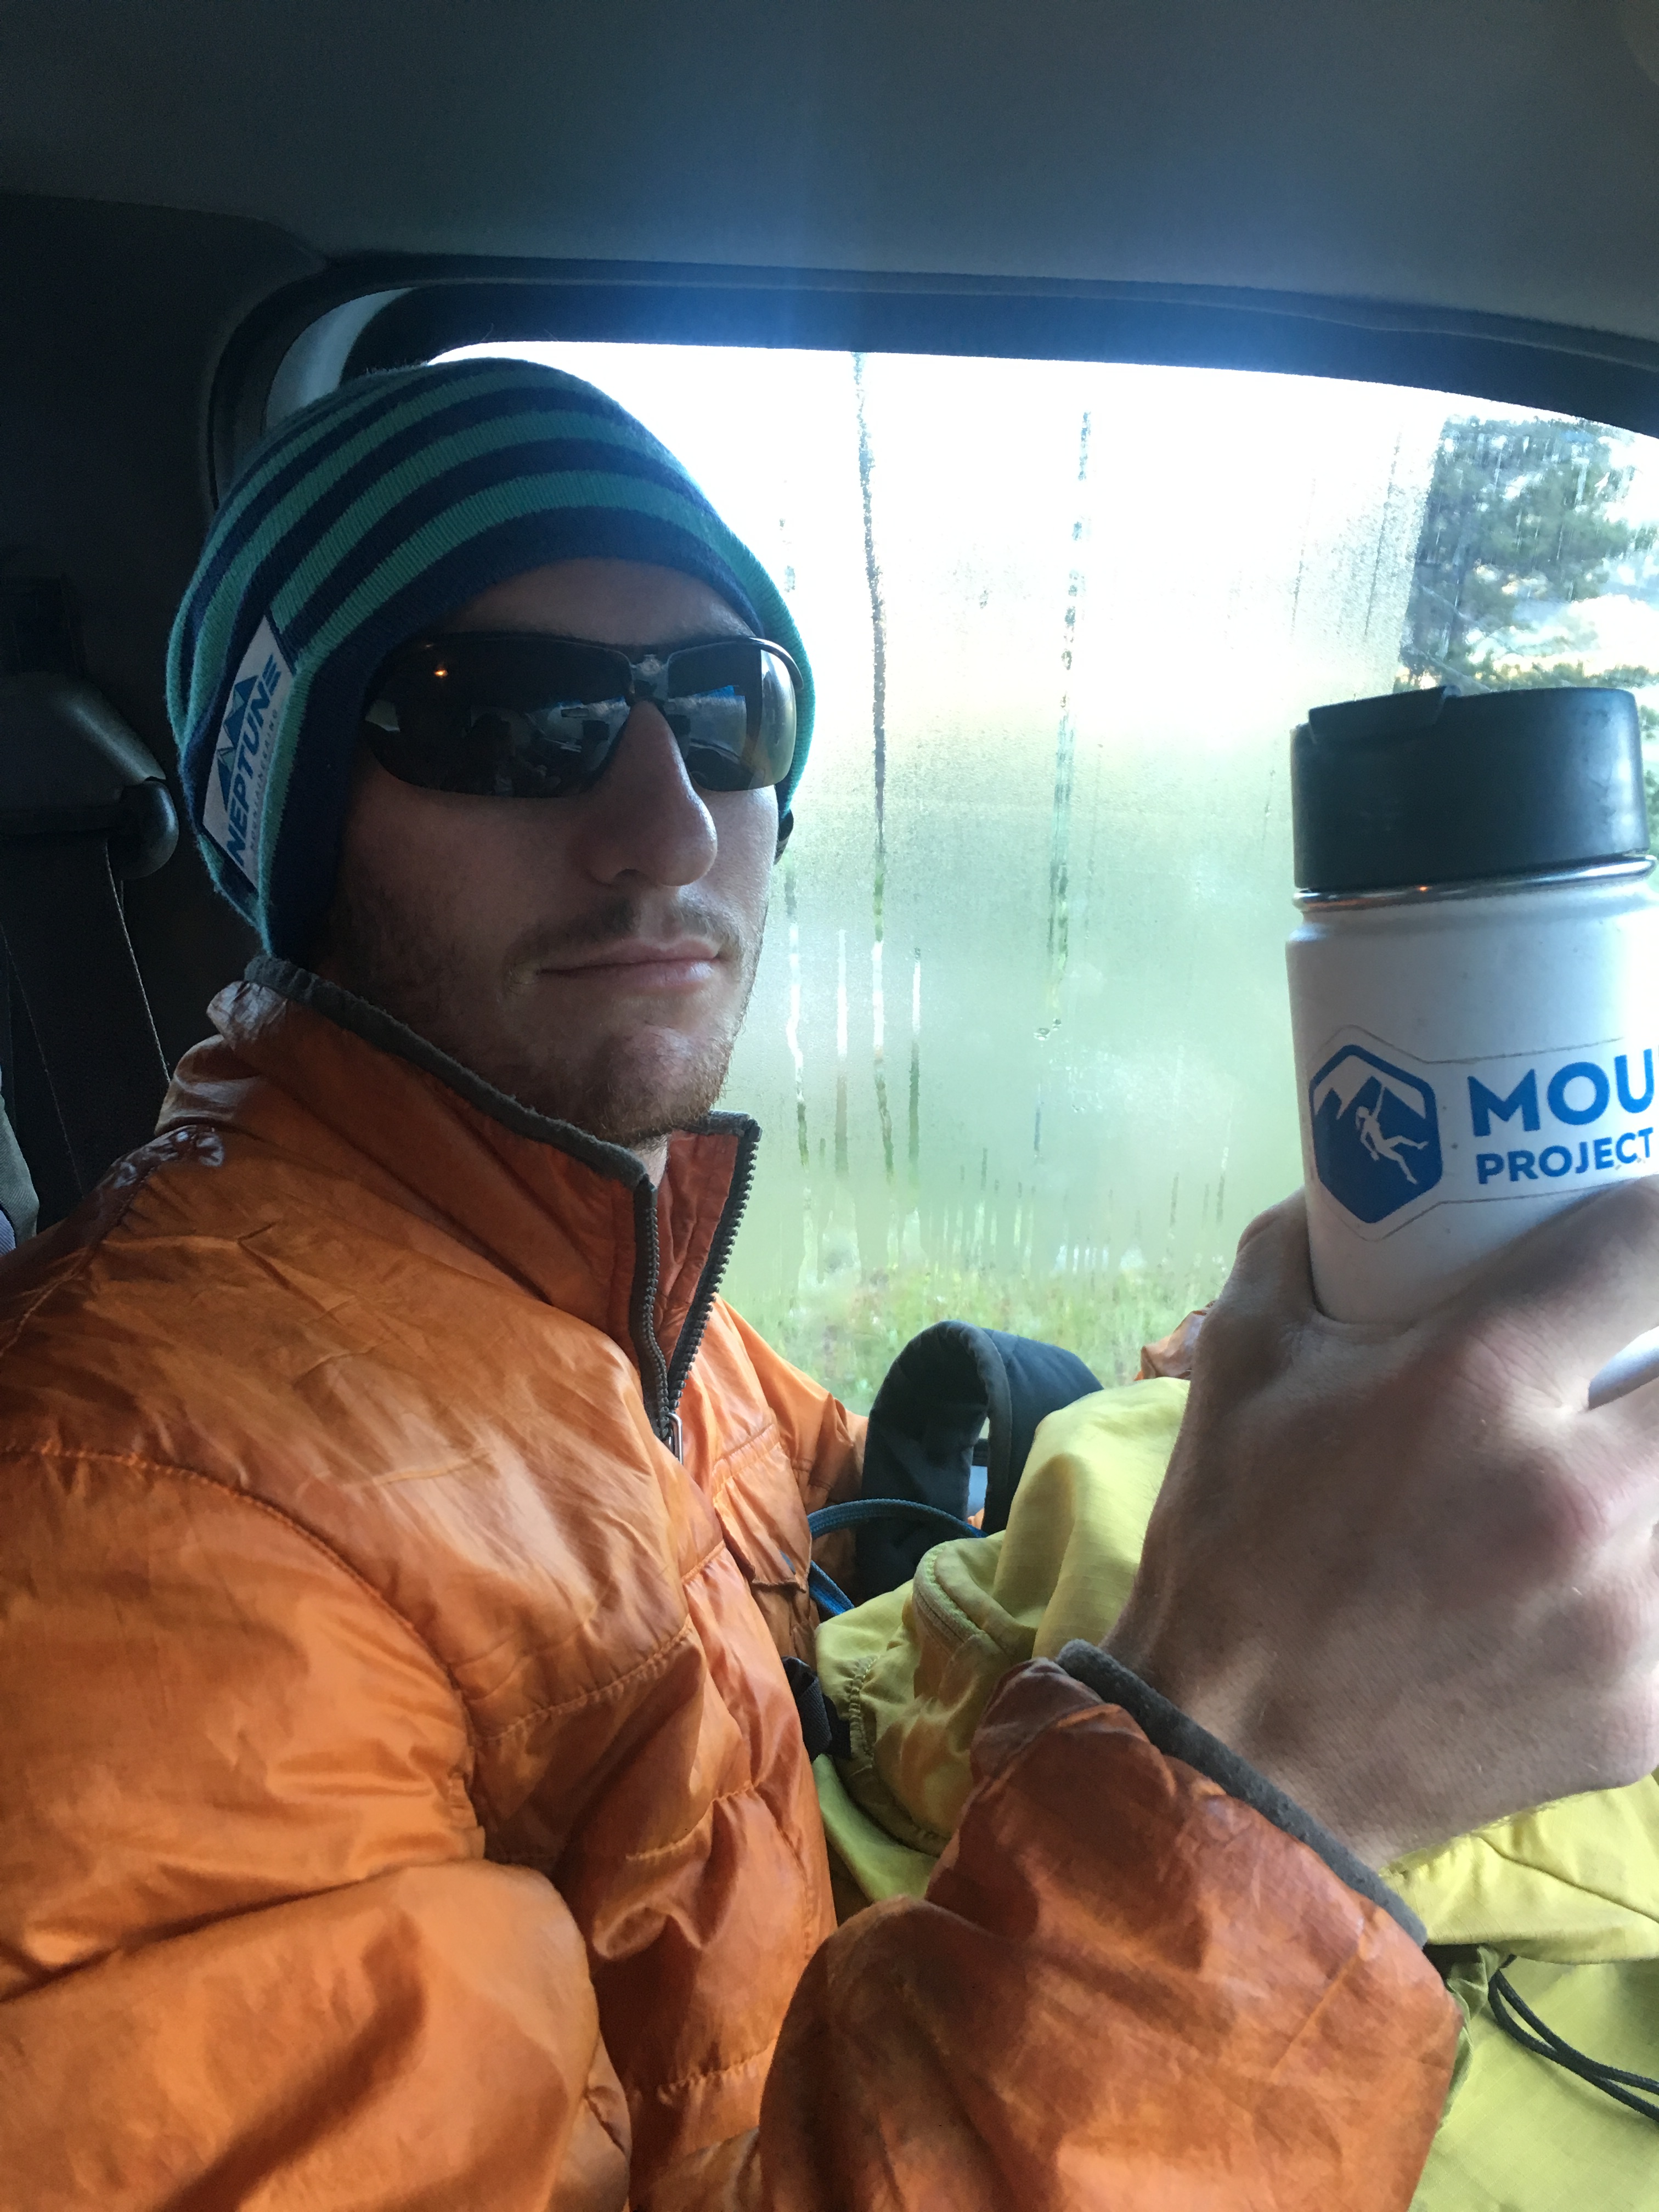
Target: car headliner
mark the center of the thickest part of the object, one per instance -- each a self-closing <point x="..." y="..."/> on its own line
<point x="1175" y="180"/>
<point x="1500" y="156"/>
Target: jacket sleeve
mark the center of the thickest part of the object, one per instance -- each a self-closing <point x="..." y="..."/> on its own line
<point x="1125" y="1990"/>
<point x="250" y="1953"/>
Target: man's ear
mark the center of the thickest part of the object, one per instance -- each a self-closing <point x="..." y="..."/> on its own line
<point x="328" y="939"/>
<point x="785" y="830"/>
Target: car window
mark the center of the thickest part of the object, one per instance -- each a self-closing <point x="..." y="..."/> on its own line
<point x="1018" y="1039"/>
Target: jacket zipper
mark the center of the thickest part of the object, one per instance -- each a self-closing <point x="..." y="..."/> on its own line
<point x="648" y="1272"/>
<point x="663" y="1382"/>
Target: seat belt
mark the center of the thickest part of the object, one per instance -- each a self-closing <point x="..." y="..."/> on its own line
<point x="84" y="806"/>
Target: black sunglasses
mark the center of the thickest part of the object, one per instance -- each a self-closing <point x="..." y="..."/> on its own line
<point x="518" y="715"/>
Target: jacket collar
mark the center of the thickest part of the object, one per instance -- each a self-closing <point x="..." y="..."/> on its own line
<point x="300" y="1062"/>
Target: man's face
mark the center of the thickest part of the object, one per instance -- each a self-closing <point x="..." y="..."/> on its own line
<point x="592" y="956"/>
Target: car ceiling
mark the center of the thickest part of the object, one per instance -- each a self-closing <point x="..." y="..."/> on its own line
<point x="178" y="176"/>
<point x="1500" y="156"/>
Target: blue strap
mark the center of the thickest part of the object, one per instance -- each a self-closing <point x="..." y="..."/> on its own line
<point x="829" y="1596"/>
<point x="853" y="1512"/>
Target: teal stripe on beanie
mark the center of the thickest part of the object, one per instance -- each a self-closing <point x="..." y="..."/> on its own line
<point x="359" y="523"/>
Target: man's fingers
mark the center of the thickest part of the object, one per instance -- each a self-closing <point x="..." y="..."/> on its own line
<point x="1584" y="1282"/>
<point x="1581" y="1284"/>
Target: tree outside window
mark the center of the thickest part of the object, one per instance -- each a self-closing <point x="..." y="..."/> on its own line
<point x="1530" y="568"/>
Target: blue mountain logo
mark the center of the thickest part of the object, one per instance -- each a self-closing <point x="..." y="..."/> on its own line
<point x="1376" y="1133"/>
<point x="240" y="694"/>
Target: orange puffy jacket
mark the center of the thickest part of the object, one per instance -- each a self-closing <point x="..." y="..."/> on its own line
<point x="402" y="1803"/>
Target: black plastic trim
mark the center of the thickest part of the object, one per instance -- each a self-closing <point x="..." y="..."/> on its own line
<point x="447" y="302"/>
<point x="247" y="367"/>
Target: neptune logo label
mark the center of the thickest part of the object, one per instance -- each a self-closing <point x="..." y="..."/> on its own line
<point x="1376" y="1133"/>
<point x="232" y="808"/>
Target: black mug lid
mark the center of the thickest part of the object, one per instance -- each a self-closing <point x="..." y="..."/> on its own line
<point x="1431" y="787"/>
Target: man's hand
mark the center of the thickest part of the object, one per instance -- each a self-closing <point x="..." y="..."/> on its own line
<point x="1405" y="1571"/>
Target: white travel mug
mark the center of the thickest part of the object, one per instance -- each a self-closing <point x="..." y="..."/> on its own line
<point x="1474" y="984"/>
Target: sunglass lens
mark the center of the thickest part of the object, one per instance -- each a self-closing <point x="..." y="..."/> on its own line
<point x="713" y="730"/>
<point x="498" y="717"/>
<point x="540" y="752"/>
<point x="522" y="716"/>
<point x="731" y="706"/>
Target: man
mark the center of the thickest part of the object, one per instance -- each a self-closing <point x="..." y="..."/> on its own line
<point x="404" y="1801"/>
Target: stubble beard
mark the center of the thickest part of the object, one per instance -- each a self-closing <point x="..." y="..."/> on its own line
<point x="620" y="1090"/>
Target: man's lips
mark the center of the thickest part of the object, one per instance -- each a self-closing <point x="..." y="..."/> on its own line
<point x="637" y="963"/>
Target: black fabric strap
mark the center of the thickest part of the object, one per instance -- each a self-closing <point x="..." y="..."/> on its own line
<point x="950" y="1382"/>
<point x="822" y="1727"/>
<point x="66" y="938"/>
<point x="858" y="1512"/>
<point x="1169" y="1729"/>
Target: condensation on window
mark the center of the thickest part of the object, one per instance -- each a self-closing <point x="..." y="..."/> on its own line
<point x="1018" y="1040"/>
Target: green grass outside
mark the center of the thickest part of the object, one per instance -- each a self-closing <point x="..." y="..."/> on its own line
<point x="845" y="1331"/>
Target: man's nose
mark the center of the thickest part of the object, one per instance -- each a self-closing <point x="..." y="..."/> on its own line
<point x="645" y="816"/>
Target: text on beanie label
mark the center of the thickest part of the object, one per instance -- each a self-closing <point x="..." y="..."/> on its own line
<point x="238" y="778"/>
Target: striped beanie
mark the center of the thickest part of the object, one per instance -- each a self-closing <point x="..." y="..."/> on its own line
<point x="357" y="523"/>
